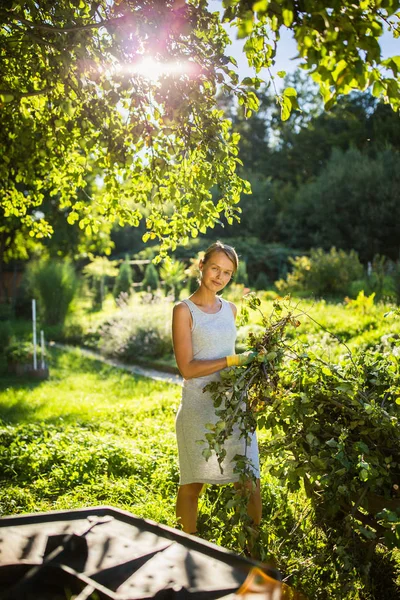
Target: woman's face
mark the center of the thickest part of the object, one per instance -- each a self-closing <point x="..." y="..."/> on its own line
<point x="216" y="272"/>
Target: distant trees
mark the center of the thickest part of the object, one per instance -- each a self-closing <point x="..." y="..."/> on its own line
<point x="325" y="179"/>
<point x="123" y="281"/>
<point x="151" y="279"/>
<point x="353" y="203"/>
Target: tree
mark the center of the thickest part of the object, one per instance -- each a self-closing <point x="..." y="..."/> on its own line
<point x="74" y="100"/>
<point x="54" y="284"/>
<point x="123" y="282"/>
<point x="353" y="203"/>
<point x="151" y="279"/>
<point x="173" y="274"/>
<point x="97" y="270"/>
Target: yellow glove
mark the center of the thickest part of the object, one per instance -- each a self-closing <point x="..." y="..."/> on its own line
<point x="238" y="360"/>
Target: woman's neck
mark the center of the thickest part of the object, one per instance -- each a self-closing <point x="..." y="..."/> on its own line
<point x="205" y="298"/>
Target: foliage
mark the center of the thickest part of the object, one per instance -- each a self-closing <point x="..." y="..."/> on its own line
<point x="338" y="63"/>
<point x="151" y="279"/>
<point x="381" y="278"/>
<point x="173" y="274"/>
<point x="69" y="68"/>
<point x="165" y="150"/>
<point x="322" y="273"/>
<point x="297" y="179"/>
<point x="123" y="282"/>
<point x="19" y="351"/>
<point x="5" y="334"/>
<point x="53" y="284"/>
<point x="262" y="282"/>
<point x="362" y="303"/>
<point x="90" y="435"/>
<point x="352" y="204"/>
<point x="97" y="270"/>
<point x="332" y="428"/>
<point x="132" y="333"/>
<point x="241" y="276"/>
<point x="94" y="435"/>
<point x="234" y="292"/>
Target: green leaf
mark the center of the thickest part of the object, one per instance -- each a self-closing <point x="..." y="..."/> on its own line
<point x="247" y="81"/>
<point x="260" y="5"/>
<point x="6" y="98"/>
<point x="287" y="15"/>
<point x="207" y="453"/>
<point x="289" y="92"/>
<point x="286" y="108"/>
<point x="378" y="89"/>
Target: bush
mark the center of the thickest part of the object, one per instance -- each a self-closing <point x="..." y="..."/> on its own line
<point x="151" y="279"/>
<point x="323" y="273"/>
<point x="241" y="274"/>
<point x="173" y="274"/>
<point x="262" y="282"/>
<point x="123" y="282"/>
<point x="19" y="352"/>
<point x="5" y="334"/>
<point x="134" y="333"/>
<point x="54" y="285"/>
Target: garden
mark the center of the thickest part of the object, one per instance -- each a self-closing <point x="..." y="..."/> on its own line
<point x="326" y="412"/>
<point x="132" y="137"/>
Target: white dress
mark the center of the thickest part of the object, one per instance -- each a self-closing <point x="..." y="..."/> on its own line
<point x="213" y="336"/>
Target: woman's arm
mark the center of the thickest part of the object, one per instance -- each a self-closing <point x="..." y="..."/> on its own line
<point x="182" y="340"/>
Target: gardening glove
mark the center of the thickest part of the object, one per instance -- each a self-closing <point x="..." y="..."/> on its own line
<point x="239" y="360"/>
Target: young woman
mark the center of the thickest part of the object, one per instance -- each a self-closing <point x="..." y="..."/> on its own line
<point x="204" y="333"/>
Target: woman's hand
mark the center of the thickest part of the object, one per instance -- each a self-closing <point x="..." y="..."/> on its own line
<point x="239" y="360"/>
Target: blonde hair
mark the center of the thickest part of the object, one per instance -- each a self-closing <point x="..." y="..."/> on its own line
<point x="227" y="250"/>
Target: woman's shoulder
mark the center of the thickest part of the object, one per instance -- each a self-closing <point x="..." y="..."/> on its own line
<point x="181" y="309"/>
<point x="231" y="305"/>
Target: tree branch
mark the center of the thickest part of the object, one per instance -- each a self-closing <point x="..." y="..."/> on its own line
<point x="25" y="94"/>
<point x="55" y="29"/>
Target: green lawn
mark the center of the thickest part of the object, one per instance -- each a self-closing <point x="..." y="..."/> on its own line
<point x="90" y="435"/>
<point x="95" y="435"/>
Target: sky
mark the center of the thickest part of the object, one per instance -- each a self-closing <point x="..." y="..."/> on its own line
<point x="287" y="50"/>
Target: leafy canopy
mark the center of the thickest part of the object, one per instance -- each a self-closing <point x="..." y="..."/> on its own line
<point x="79" y="95"/>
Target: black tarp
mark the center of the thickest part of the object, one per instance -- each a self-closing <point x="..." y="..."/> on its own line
<point x="108" y="554"/>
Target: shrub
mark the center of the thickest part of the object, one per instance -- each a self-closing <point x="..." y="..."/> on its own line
<point x="5" y="334"/>
<point x="173" y="274"/>
<point x="262" y="282"/>
<point x="54" y="284"/>
<point x="123" y="282"/>
<point x="97" y="271"/>
<point x="151" y="279"/>
<point x="134" y="333"/>
<point x="19" y="351"/>
<point x="235" y="292"/>
<point x="241" y="274"/>
<point x="323" y="273"/>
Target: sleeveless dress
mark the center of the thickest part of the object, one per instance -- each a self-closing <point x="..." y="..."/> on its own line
<point x="213" y="336"/>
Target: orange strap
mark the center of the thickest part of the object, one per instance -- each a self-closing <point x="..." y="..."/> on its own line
<point x="258" y="582"/>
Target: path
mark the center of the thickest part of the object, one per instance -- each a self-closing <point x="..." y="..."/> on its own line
<point x="135" y="369"/>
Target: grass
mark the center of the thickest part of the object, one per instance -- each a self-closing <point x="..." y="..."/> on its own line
<point x="94" y="435"/>
<point x="89" y="435"/>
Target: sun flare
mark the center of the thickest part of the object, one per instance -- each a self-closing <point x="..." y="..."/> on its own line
<point x="153" y="70"/>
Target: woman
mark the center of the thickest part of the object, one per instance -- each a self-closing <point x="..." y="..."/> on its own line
<point x="204" y="333"/>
